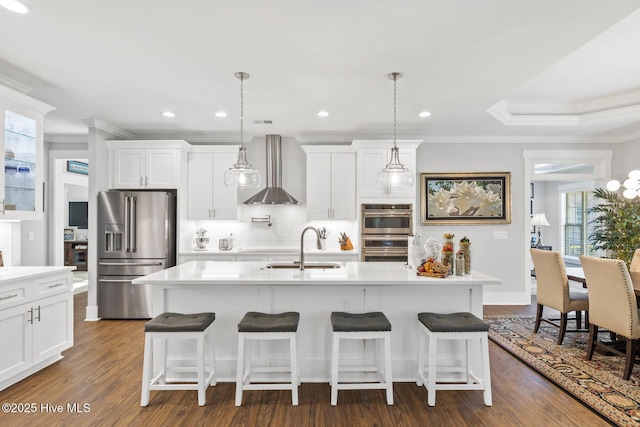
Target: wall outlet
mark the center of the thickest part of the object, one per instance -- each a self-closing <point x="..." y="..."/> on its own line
<point x="30" y="235"/>
<point x="500" y="235"/>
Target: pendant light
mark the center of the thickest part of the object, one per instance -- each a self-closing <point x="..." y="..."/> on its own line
<point x="395" y="174"/>
<point x="242" y="174"/>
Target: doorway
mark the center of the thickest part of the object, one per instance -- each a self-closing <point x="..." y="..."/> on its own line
<point x="548" y="170"/>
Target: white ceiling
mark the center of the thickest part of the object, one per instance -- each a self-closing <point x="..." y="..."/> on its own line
<point x="491" y="68"/>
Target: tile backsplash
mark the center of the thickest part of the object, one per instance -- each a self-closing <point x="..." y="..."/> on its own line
<point x="287" y="224"/>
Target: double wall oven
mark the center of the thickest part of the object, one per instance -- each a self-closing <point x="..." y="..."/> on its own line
<point x="385" y="231"/>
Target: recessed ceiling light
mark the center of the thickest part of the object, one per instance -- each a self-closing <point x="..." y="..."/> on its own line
<point x="424" y="114"/>
<point x="168" y="114"/>
<point x="323" y="114"/>
<point x="15" y="6"/>
<point x="221" y="114"/>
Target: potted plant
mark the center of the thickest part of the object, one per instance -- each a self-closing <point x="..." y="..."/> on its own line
<point x="616" y="222"/>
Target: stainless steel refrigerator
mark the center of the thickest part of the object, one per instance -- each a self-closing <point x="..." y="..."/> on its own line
<point x="136" y="236"/>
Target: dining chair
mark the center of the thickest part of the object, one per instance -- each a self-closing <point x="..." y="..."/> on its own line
<point x="553" y="291"/>
<point x="634" y="269"/>
<point x="613" y="306"/>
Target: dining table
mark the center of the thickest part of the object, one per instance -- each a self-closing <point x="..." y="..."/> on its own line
<point x="576" y="274"/>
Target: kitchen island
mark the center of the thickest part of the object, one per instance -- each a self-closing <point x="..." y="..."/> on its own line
<point x="230" y="289"/>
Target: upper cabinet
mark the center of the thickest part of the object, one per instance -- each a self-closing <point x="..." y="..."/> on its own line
<point x="209" y="198"/>
<point x="372" y="158"/>
<point x="21" y="141"/>
<point x="331" y="183"/>
<point x="145" y="164"/>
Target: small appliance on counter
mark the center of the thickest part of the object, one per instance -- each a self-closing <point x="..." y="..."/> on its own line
<point x="226" y="243"/>
<point x="201" y="241"/>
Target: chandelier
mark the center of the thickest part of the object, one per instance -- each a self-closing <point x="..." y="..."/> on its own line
<point x="631" y="185"/>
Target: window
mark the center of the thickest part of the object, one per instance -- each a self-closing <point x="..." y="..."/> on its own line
<point x="576" y="223"/>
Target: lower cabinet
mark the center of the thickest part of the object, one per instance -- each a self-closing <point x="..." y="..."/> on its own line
<point x="34" y="332"/>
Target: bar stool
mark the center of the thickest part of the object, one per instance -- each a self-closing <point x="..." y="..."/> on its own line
<point x="362" y="326"/>
<point x="168" y="326"/>
<point x="263" y="326"/>
<point x="455" y="326"/>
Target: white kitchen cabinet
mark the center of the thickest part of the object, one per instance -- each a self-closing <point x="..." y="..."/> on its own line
<point x="36" y="324"/>
<point x="371" y="161"/>
<point x="208" y="197"/>
<point x="145" y="164"/>
<point x="331" y="184"/>
<point x="21" y="184"/>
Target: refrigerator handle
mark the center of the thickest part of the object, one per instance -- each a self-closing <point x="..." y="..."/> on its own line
<point x="127" y="202"/>
<point x="133" y="229"/>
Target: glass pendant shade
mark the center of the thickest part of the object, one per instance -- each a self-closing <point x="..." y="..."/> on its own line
<point x="242" y="174"/>
<point x="395" y="174"/>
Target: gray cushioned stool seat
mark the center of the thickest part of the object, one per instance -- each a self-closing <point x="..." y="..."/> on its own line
<point x="263" y="322"/>
<point x="454" y="322"/>
<point x="176" y="322"/>
<point x="359" y="322"/>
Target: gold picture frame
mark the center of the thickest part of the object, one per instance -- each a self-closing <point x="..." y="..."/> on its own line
<point x="465" y="198"/>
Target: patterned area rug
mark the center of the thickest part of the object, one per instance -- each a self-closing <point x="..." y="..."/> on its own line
<point x="597" y="383"/>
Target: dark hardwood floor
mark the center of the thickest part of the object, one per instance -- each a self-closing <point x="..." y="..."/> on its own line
<point x="103" y="370"/>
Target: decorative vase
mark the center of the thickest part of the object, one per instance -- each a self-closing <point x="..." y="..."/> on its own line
<point x="460" y="264"/>
<point x="466" y="253"/>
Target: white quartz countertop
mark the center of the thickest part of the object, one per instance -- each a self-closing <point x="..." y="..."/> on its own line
<point x="351" y="273"/>
<point x="8" y="274"/>
<point x="268" y="251"/>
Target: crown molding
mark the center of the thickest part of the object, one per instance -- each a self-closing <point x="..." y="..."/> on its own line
<point x="14" y="84"/>
<point x="501" y="113"/>
<point x="109" y="128"/>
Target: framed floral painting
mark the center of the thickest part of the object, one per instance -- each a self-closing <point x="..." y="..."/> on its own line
<point x="465" y="198"/>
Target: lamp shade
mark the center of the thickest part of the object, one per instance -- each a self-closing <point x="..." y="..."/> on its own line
<point x="539" y="219"/>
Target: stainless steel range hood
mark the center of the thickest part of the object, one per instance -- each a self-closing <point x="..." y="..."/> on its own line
<point x="274" y="194"/>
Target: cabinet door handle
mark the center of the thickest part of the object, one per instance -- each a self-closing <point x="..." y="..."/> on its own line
<point x="8" y="297"/>
<point x="146" y="181"/>
<point x="39" y="320"/>
<point x="141" y="181"/>
<point x="209" y="213"/>
<point x="214" y="213"/>
<point x="30" y="319"/>
<point x="57" y="285"/>
<point x="2" y="211"/>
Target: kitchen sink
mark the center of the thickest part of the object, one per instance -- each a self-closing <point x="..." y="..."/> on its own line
<point x="296" y="265"/>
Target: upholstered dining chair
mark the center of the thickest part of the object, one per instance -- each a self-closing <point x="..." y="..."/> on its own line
<point x="634" y="269"/>
<point x="612" y="306"/>
<point x="553" y="291"/>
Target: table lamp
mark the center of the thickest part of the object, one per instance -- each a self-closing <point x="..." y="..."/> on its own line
<point x="539" y="219"/>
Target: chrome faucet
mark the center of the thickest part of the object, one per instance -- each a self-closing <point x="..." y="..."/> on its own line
<point x="302" y="244"/>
